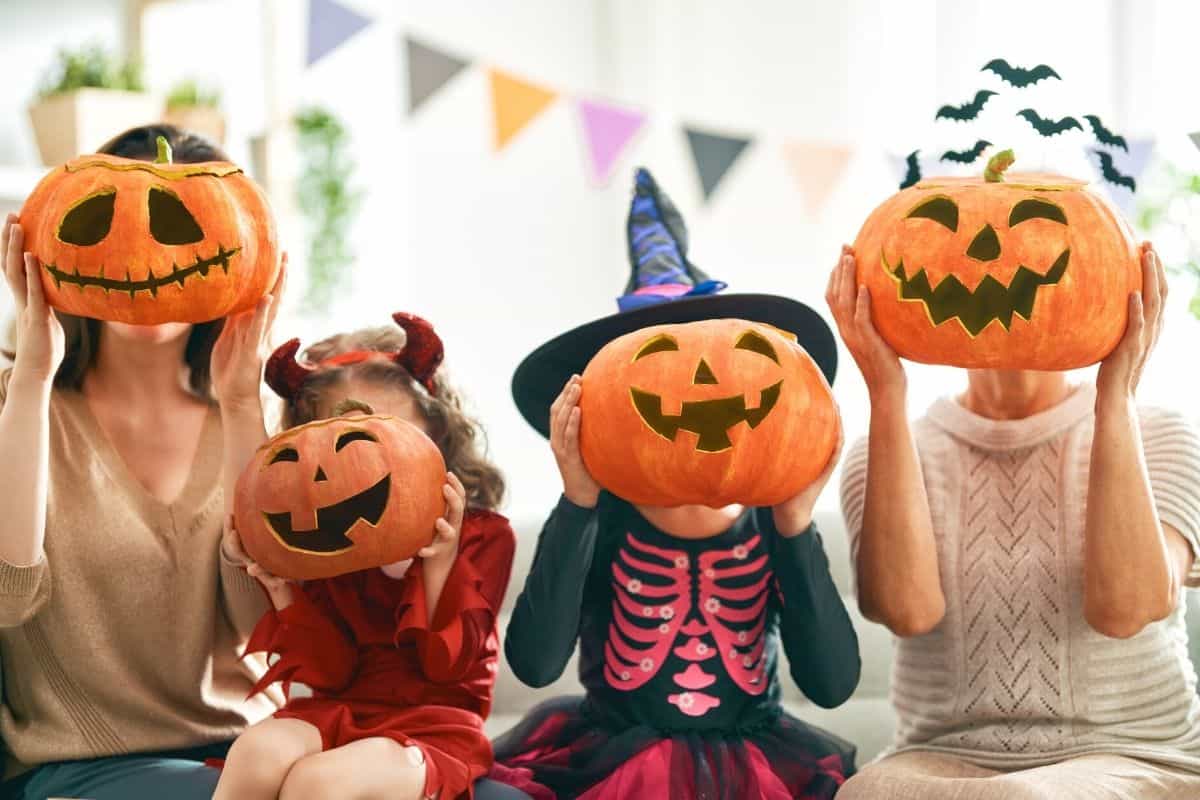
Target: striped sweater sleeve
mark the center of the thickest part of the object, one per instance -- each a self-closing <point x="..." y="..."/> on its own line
<point x="1172" y="448"/>
<point x="854" y="497"/>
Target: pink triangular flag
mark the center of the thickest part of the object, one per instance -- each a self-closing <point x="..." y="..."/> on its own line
<point x="608" y="129"/>
<point x="816" y="166"/>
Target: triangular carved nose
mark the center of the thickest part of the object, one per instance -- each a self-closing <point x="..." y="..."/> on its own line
<point x="985" y="246"/>
<point x="704" y="373"/>
<point x="320" y="476"/>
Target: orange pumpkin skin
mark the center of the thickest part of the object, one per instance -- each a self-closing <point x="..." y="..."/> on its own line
<point x="1073" y="322"/>
<point x="786" y="441"/>
<point x="227" y="259"/>
<point x="305" y="509"/>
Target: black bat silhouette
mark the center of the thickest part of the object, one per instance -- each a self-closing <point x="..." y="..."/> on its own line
<point x="1018" y="77"/>
<point x="968" y="110"/>
<point x="1049" y="127"/>
<point x="914" y="170"/>
<point x="966" y="156"/>
<point x="1110" y="173"/>
<point x="1104" y="135"/>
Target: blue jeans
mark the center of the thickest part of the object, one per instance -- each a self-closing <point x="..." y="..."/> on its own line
<point x="178" y="775"/>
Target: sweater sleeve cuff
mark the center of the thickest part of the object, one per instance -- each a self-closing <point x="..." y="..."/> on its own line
<point x="18" y="581"/>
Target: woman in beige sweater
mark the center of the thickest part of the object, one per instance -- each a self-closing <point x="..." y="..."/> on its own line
<point x="1028" y="542"/>
<point x="120" y="617"/>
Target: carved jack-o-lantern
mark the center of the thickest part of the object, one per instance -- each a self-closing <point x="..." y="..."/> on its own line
<point x="339" y="495"/>
<point x="1029" y="272"/>
<point x="712" y="412"/>
<point x="150" y="242"/>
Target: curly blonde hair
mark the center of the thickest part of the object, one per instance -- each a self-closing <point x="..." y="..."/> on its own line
<point x="459" y="437"/>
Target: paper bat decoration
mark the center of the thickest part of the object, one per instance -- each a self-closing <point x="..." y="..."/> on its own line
<point x="1110" y="173"/>
<point x="968" y="110"/>
<point x="914" y="170"/>
<point x="1049" y="127"/>
<point x="966" y="156"/>
<point x="1018" y="77"/>
<point x="1104" y="135"/>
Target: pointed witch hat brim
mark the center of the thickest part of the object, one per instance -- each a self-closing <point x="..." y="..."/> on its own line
<point x="665" y="288"/>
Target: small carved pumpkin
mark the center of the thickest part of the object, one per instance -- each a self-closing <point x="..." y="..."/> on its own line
<point x="712" y="412"/>
<point x="340" y="495"/>
<point x="151" y="242"/>
<point x="1029" y="272"/>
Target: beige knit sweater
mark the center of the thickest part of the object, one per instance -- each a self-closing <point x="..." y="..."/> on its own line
<point x="1014" y="677"/>
<point x="125" y="637"/>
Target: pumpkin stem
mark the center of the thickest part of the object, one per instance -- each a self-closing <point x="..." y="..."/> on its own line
<point x="994" y="171"/>
<point x="350" y="404"/>
<point x="164" y="151"/>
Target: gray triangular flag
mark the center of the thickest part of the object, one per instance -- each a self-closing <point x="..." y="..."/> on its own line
<point x="428" y="70"/>
<point x="714" y="155"/>
<point x="1195" y="137"/>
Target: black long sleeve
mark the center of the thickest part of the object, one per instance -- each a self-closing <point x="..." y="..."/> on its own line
<point x="818" y="637"/>
<point x="545" y="621"/>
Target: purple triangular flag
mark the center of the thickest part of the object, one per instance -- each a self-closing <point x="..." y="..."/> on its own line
<point x="329" y="24"/>
<point x="1130" y="164"/>
<point x="608" y="129"/>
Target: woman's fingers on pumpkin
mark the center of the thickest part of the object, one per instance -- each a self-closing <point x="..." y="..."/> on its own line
<point x="35" y="297"/>
<point x="14" y="263"/>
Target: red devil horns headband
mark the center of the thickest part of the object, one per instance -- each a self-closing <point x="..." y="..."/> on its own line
<point x="421" y="355"/>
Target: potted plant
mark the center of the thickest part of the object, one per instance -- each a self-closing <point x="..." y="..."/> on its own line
<point x="88" y="96"/>
<point x="196" y="108"/>
<point x="1170" y="211"/>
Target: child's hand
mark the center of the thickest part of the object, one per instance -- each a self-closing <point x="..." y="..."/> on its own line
<point x="243" y="347"/>
<point x="792" y="517"/>
<point x="578" y="484"/>
<point x="279" y="589"/>
<point x="439" y="555"/>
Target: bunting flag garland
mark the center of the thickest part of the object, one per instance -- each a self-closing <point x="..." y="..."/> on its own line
<point x="608" y="129"/>
<point x="1195" y="137"/>
<point x="1132" y="164"/>
<point x="817" y="167"/>
<point x="429" y="69"/>
<point x="713" y="155"/>
<point x="515" y="103"/>
<point x="329" y="25"/>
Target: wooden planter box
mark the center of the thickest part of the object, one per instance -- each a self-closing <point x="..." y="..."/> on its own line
<point x="80" y="121"/>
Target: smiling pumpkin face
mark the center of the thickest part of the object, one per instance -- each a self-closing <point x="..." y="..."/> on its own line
<point x="1033" y="272"/>
<point x="340" y="495"/>
<point x="712" y="412"/>
<point x="151" y="242"/>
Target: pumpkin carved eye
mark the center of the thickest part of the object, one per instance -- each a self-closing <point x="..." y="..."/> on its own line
<point x="286" y="454"/>
<point x="170" y="221"/>
<point x="659" y="344"/>
<point x="1035" y="209"/>
<point x="89" y="221"/>
<point x="758" y="344"/>
<point x="353" y="436"/>
<point x="941" y="210"/>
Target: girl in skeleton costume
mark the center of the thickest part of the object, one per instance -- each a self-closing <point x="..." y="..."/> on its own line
<point x="678" y="611"/>
<point x="400" y="660"/>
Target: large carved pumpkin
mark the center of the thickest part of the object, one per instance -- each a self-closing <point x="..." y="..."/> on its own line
<point x="151" y="242"/>
<point x="339" y="495"/>
<point x="1025" y="271"/>
<point x="713" y="412"/>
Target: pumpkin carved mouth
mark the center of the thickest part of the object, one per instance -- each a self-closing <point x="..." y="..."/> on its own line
<point x="990" y="301"/>
<point x="151" y="283"/>
<point x="708" y="419"/>
<point x="333" y="521"/>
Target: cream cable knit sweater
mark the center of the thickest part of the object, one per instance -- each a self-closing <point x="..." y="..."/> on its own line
<point x="1014" y="677"/>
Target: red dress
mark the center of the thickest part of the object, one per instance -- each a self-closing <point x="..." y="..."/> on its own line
<point x="377" y="667"/>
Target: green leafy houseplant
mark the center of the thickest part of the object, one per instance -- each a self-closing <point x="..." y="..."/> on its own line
<point x="326" y="200"/>
<point x="91" y="67"/>
<point x="190" y="94"/>
<point x="1170" y="211"/>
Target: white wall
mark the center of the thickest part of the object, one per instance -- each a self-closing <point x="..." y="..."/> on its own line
<point x="504" y="251"/>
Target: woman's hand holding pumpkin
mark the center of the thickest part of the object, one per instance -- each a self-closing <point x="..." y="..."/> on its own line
<point x="40" y="340"/>
<point x="1121" y="371"/>
<point x="851" y="307"/>
<point x="242" y="349"/>
<point x="792" y="517"/>
<point x="578" y="484"/>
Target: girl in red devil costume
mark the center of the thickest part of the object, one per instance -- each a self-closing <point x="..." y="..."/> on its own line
<point x="400" y="660"/>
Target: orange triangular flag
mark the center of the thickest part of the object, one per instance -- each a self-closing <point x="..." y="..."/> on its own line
<point x="514" y="104"/>
<point x="816" y="167"/>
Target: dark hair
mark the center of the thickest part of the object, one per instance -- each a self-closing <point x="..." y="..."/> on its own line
<point x="459" y="437"/>
<point x="82" y="333"/>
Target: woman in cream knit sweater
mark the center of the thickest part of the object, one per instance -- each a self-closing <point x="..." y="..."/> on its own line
<point x="1028" y="542"/>
<point x="120" y="617"/>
